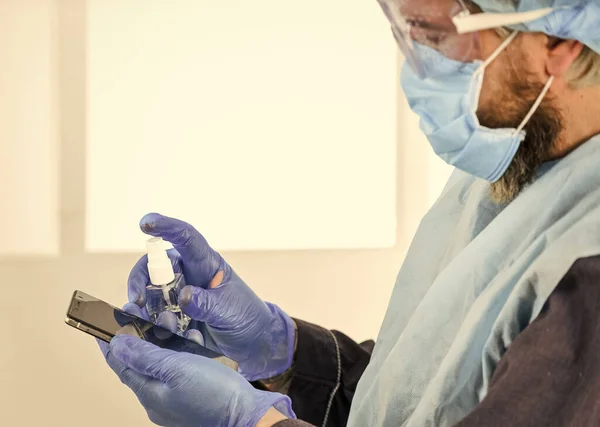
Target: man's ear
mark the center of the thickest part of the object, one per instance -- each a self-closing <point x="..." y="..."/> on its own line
<point x="561" y="55"/>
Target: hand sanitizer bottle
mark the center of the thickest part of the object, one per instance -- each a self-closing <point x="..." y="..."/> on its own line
<point x="161" y="293"/>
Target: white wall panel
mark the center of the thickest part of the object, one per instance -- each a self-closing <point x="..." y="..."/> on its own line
<point x="266" y="124"/>
<point x="28" y="128"/>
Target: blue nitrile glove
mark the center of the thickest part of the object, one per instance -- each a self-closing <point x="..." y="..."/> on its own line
<point x="232" y="318"/>
<point x="182" y="389"/>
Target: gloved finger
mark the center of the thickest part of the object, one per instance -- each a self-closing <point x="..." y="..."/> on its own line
<point x="137" y="281"/>
<point x="148" y="390"/>
<point x="195" y="335"/>
<point x="192" y="246"/>
<point x="137" y="311"/>
<point x="139" y="277"/>
<point x="132" y="379"/>
<point x="145" y="358"/>
<point x="200" y="304"/>
<point x="168" y="325"/>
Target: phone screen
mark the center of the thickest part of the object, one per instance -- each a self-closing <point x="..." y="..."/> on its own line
<point x="104" y="321"/>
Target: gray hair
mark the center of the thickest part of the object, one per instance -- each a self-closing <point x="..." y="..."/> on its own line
<point x="585" y="71"/>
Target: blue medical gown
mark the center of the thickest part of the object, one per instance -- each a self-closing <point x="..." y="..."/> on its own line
<point x="476" y="275"/>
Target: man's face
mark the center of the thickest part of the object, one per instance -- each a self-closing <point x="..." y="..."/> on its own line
<point x="512" y="83"/>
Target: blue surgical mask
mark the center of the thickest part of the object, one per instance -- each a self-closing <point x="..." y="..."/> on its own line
<point x="447" y="103"/>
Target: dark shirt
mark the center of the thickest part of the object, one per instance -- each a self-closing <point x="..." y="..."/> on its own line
<point x="549" y="376"/>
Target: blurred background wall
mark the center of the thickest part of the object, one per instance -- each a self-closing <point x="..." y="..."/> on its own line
<point x="277" y="128"/>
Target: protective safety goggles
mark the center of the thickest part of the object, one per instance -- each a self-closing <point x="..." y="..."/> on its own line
<point x="451" y="27"/>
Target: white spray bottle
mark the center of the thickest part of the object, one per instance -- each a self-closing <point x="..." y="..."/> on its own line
<point x="161" y="293"/>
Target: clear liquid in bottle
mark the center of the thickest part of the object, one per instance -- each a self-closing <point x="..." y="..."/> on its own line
<point x="164" y="287"/>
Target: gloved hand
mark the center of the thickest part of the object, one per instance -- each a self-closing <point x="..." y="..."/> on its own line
<point x="232" y="318"/>
<point x="182" y="389"/>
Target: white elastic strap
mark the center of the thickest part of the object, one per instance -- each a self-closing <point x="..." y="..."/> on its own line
<point x="487" y="62"/>
<point x="500" y="49"/>
<point x="468" y="23"/>
<point x="536" y="105"/>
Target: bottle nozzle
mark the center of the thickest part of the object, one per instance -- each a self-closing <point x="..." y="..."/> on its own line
<point x="160" y="268"/>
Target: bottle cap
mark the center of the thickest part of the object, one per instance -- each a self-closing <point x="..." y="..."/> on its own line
<point x="159" y="265"/>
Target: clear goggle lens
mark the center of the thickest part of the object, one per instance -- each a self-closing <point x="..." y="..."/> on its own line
<point x="450" y="27"/>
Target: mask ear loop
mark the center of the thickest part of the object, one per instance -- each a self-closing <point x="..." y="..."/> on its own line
<point x="477" y="74"/>
<point x="497" y="52"/>
<point x="539" y="99"/>
<point x="536" y="105"/>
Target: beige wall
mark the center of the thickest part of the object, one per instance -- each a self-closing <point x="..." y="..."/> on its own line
<point x="52" y="375"/>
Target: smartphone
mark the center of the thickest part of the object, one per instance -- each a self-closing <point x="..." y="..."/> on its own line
<point x="104" y="321"/>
